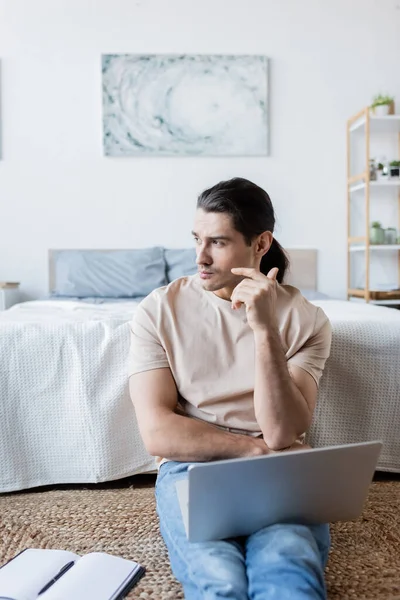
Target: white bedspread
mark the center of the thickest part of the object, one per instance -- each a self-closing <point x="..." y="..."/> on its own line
<point x="65" y="412"/>
<point x="68" y="310"/>
<point x="359" y="396"/>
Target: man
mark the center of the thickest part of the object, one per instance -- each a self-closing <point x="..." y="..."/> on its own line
<point x="226" y="364"/>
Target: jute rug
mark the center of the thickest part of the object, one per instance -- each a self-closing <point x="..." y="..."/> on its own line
<point x="119" y="518"/>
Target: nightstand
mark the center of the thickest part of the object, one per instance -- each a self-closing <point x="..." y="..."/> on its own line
<point x="9" y="294"/>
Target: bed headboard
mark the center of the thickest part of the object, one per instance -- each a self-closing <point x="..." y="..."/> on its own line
<point x="303" y="268"/>
<point x="302" y="273"/>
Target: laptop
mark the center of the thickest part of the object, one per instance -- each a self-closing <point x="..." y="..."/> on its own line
<point x="236" y="497"/>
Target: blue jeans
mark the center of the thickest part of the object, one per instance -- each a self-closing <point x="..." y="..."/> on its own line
<point x="280" y="562"/>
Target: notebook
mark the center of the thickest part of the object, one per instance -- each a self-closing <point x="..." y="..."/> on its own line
<point x="61" y="575"/>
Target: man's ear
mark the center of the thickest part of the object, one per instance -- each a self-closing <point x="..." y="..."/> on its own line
<point x="263" y="243"/>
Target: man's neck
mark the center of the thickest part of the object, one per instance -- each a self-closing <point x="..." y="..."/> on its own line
<point x="224" y="293"/>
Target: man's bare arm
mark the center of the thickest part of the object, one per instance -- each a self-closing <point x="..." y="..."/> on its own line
<point x="284" y="400"/>
<point x="177" y="437"/>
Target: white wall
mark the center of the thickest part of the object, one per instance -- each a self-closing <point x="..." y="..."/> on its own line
<point x="328" y="57"/>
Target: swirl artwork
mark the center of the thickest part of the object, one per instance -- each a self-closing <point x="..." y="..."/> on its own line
<point x="166" y="105"/>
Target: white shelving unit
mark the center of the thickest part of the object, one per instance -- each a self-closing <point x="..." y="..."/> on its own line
<point x="391" y="184"/>
<point x="375" y="248"/>
<point x="363" y="123"/>
<point x="388" y="124"/>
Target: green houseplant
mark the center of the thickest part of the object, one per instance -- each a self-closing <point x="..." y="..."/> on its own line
<point x="391" y="235"/>
<point x="382" y="105"/>
<point x="377" y="233"/>
<point x="382" y="170"/>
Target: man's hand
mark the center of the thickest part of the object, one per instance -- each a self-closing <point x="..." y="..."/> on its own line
<point x="258" y="447"/>
<point x="258" y="293"/>
<point x="295" y="446"/>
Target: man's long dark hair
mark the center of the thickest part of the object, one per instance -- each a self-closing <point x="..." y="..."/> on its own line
<point x="252" y="213"/>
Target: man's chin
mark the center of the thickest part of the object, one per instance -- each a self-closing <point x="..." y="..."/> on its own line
<point x="211" y="284"/>
<point x="210" y="287"/>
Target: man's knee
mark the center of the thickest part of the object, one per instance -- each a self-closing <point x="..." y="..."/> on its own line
<point x="222" y="566"/>
<point x="213" y="569"/>
<point x="293" y="540"/>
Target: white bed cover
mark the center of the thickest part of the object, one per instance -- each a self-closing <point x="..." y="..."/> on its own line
<point x="359" y="395"/>
<point x="65" y="411"/>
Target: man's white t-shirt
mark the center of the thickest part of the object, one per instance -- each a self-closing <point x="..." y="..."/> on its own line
<point x="210" y="348"/>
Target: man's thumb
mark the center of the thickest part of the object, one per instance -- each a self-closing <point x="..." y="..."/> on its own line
<point x="272" y="274"/>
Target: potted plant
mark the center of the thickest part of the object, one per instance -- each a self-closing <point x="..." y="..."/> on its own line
<point x="382" y="105"/>
<point x="394" y="168"/>
<point x="377" y="234"/>
<point x="372" y="169"/>
<point x="382" y="170"/>
<point x="391" y="235"/>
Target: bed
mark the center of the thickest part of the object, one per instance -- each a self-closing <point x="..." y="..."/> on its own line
<point x="65" y="412"/>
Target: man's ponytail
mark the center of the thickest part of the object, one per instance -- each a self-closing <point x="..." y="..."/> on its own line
<point x="275" y="257"/>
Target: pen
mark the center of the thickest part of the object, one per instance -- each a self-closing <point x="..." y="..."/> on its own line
<point x="60" y="574"/>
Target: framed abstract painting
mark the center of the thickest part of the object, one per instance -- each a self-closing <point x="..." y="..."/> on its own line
<point x="166" y="105"/>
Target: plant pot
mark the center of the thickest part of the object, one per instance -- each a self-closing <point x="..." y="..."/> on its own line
<point x="394" y="171"/>
<point x="391" y="235"/>
<point x="382" y="110"/>
<point x="377" y="235"/>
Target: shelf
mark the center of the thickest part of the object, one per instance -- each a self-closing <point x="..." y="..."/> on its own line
<point x="359" y="186"/>
<point x="385" y="301"/>
<point x="359" y="294"/>
<point x="382" y="302"/>
<point x="389" y="184"/>
<point x="390" y="123"/>
<point x="375" y="247"/>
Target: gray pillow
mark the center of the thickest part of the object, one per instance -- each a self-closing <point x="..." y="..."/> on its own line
<point x="180" y="262"/>
<point x="110" y="274"/>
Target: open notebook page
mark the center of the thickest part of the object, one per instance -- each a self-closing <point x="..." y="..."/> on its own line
<point x="96" y="576"/>
<point x="25" y="575"/>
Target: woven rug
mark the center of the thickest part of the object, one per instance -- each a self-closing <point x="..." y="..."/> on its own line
<point x="119" y="518"/>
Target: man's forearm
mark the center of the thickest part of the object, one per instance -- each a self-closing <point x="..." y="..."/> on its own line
<point x="185" y="439"/>
<point x="281" y="409"/>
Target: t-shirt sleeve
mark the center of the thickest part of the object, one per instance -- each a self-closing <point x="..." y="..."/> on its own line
<point x="313" y="354"/>
<point x="146" y="350"/>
